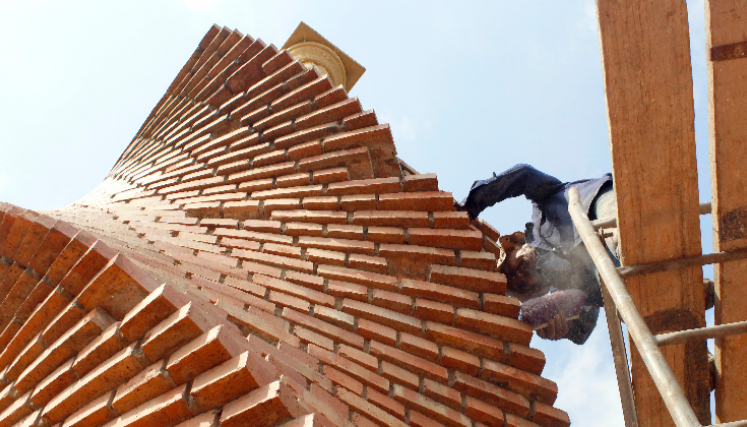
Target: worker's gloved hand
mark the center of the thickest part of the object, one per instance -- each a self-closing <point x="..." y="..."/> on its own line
<point x="556" y="328"/>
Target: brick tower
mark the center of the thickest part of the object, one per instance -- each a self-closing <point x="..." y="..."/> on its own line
<point x="259" y="256"/>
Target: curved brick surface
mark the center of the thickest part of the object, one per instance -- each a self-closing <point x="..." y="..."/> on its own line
<point x="259" y="255"/>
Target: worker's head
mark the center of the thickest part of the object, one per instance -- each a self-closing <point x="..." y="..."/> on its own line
<point x="520" y="268"/>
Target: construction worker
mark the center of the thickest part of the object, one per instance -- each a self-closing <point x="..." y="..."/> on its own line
<point x="552" y="257"/>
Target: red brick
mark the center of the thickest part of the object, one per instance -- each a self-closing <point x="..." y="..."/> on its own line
<point x="547" y="416"/>
<point x="261" y="225"/>
<point x="442" y="394"/>
<point x="321" y="203"/>
<point x="494" y="395"/>
<point x="420" y="201"/>
<point x="446" y="294"/>
<point x="532" y="386"/>
<point x="106" y="345"/>
<point x="290" y="364"/>
<point x="335" y="317"/>
<point x="375" y="280"/>
<point x="358" y="202"/>
<point x="422" y="182"/>
<point x="295" y="180"/>
<point x="514" y="421"/>
<point x="259" y="324"/>
<point x="333" y="159"/>
<point x="502" y="305"/>
<point x="306" y="135"/>
<point x="263" y="172"/>
<point x="332" y="113"/>
<point x="343" y="380"/>
<point x="253" y="235"/>
<point x="488" y="230"/>
<point x="347" y="290"/>
<point x="469" y="341"/>
<point x="436" y="311"/>
<point x="89" y="265"/>
<point x="501" y="327"/>
<point x="313" y="338"/>
<point x="263" y="407"/>
<point x="210" y="349"/>
<point x="358" y="356"/>
<point x="115" y="371"/>
<point x="167" y="409"/>
<point x="274" y="260"/>
<point x="377" y="332"/>
<point x="207" y="419"/>
<point x="332" y="96"/>
<point x="378" y="139"/>
<point x="119" y="288"/>
<point x="479" y="260"/>
<point x="17" y="410"/>
<point x="304" y="150"/>
<point x="435" y="410"/>
<point x="418" y="346"/>
<point x="54" y="303"/>
<point x="527" y="359"/>
<point x="284" y="250"/>
<point x="451" y="239"/>
<point x="230" y="380"/>
<point x="314" y="216"/>
<point x="465" y="278"/>
<point x="372" y="411"/>
<point x="63" y="321"/>
<point x="386" y="235"/>
<point x="484" y="413"/>
<point x="59" y="237"/>
<point x="460" y="361"/>
<point x="393" y="301"/>
<point x="409" y="362"/>
<point x="323" y="328"/>
<point x="285" y="300"/>
<point x="391" y="218"/>
<point x="382" y="315"/>
<point x="344" y="231"/>
<point x="148" y="384"/>
<point x="360" y="120"/>
<point x="365" y="186"/>
<point x="88" y="328"/>
<point x="53" y="384"/>
<point x="159" y="305"/>
<point x="384" y="402"/>
<point x="400" y="376"/>
<point x="451" y="220"/>
<point x="20" y="225"/>
<point x="326" y="176"/>
<point x="353" y="369"/>
<point x="303" y="93"/>
<point x="419" y="420"/>
<point x="308" y="280"/>
<point x="423" y="254"/>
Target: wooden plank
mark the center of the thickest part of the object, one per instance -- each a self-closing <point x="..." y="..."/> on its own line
<point x="726" y="24"/>
<point x="648" y="82"/>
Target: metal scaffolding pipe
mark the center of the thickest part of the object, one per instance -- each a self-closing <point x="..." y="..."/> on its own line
<point x="705" y="209"/>
<point x="665" y="381"/>
<point x="675" y="264"/>
<point x="679" y="337"/>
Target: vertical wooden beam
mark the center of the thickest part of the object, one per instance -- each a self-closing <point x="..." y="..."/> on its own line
<point x="726" y="25"/>
<point x="648" y="82"/>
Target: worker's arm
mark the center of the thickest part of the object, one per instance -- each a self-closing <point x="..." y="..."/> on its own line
<point x="519" y="180"/>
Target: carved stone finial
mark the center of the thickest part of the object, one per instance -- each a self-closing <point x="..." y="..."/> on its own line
<point x="313" y="50"/>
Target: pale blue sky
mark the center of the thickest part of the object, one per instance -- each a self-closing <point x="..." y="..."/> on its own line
<point x="469" y="88"/>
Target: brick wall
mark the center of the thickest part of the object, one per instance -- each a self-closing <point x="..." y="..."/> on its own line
<point x="257" y="256"/>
